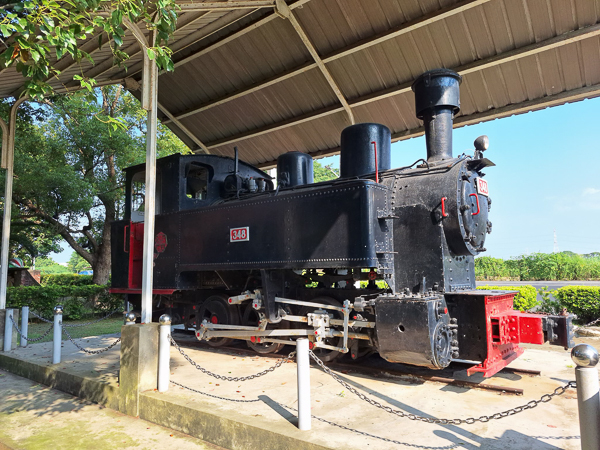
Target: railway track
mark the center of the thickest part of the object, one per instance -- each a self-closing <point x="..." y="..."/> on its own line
<point x="379" y="368"/>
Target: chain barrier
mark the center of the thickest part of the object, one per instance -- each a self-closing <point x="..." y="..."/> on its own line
<point x="91" y="352"/>
<point x="510" y="412"/>
<point x="41" y="318"/>
<point x="593" y="322"/>
<point x="214" y="396"/>
<point x="31" y="339"/>
<point x="90" y="323"/>
<point x="226" y="378"/>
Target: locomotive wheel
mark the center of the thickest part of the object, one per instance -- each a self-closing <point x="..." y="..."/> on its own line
<point x="251" y="319"/>
<point x="325" y="354"/>
<point x="216" y="309"/>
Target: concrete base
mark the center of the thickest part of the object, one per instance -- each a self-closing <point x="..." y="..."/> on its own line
<point x="139" y="365"/>
<point x="267" y="425"/>
<point x="15" y="335"/>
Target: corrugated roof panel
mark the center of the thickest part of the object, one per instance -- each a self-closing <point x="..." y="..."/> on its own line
<point x="496" y="86"/>
<point x="590" y="57"/>
<point x="520" y="23"/>
<point x="498" y="25"/>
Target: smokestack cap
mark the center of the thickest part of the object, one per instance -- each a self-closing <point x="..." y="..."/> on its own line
<point x="438" y="87"/>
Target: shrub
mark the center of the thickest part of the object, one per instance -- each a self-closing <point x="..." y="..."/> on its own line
<point x="581" y="300"/>
<point x="66" y="279"/>
<point x="525" y="300"/>
<point x="77" y="301"/>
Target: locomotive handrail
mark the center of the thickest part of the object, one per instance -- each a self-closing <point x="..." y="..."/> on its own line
<point x="125" y="249"/>
<point x="444" y="213"/>
<point x="477" y="201"/>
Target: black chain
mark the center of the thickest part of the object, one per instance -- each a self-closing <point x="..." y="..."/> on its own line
<point x="40" y="317"/>
<point x="214" y="396"/>
<point x="226" y="378"/>
<point x="91" y="352"/>
<point x="91" y="323"/>
<point x="510" y="412"/>
<point x="31" y="339"/>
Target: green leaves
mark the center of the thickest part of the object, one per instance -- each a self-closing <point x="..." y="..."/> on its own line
<point x="38" y="25"/>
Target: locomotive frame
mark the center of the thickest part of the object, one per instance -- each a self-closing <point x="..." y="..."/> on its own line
<point x="237" y="258"/>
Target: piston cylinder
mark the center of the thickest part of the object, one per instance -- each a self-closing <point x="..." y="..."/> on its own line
<point x="294" y="169"/>
<point x="437" y="99"/>
<point x="364" y="147"/>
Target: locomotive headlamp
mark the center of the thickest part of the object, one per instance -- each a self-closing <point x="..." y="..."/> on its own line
<point x="482" y="143"/>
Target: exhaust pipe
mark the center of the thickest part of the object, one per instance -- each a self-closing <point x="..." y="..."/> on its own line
<point x="437" y="99"/>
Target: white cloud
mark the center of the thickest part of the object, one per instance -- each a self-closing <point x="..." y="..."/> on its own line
<point x="591" y="191"/>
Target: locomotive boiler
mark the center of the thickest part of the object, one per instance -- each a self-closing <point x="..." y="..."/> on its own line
<point x="379" y="259"/>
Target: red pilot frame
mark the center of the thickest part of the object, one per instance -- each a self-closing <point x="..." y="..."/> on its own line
<point x="490" y="330"/>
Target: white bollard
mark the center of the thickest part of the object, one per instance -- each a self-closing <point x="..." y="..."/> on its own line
<point x="56" y="349"/>
<point x="303" y="365"/>
<point x="8" y="330"/>
<point x="164" y="352"/>
<point x="24" y="325"/>
<point x="588" y="400"/>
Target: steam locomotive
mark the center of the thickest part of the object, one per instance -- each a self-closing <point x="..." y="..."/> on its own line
<point x="379" y="259"/>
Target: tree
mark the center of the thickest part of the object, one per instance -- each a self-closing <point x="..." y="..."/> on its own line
<point x="324" y="173"/>
<point x="68" y="169"/>
<point x="76" y="263"/>
<point x="48" y="266"/>
<point x="39" y="33"/>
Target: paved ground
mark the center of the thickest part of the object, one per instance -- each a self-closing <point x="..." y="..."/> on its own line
<point x="29" y="419"/>
<point x="34" y="417"/>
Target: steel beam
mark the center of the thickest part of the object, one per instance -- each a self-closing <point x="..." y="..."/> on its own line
<point x="496" y="60"/>
<point x="574" y="95"/>
<point x="284" y="11"/>
<point x="8" y="158"/>
<point x="363" y="44"/>
<point x="227" y="5"/>
<point x="183" y="128"/>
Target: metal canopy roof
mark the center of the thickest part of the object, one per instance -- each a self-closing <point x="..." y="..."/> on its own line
<point x="273" y="78"/>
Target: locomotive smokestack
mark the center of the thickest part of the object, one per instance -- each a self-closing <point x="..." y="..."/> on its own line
<point x="437" y="99"/>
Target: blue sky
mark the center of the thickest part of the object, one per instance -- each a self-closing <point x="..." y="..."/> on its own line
<point x="546" y="178"/>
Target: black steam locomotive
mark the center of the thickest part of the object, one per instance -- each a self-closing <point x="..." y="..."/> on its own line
<point x="379" y="259"/>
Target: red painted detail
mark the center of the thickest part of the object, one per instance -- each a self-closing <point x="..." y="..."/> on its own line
<point x="376" y="166"/>
<point x="136" y="251"/>
<point x="253" y="339"/>
<point x="445" y="310"/>
<point x="194" y="307"/>
<point x="372" y="275"/>
<point x="311" y="345"/>
<point x="482" y="187"/>
<point x="125" y="249"/>
<point x="444" y="213"/>
<point x="160" y="242"/>
<point x="316" y="333"/>
<point x="230" y="300"/>
<point x="506" y="328"/>
<point x="477" y="200"/>
<point x="239" y="234"/>
<point x="139" y="291"/>
<point x="214" y="319"/>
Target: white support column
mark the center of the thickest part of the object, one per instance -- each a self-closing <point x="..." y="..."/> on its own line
<point x="150" y="104"/>
<point x="57" y="335"/>
<point x="150" y="89"/>
<point x="24" y="325"/>
<point x="588" y="397"/>
<point x="164" y="352"/>
<point x="8" y="153"/>
<point x="303" y="369"/>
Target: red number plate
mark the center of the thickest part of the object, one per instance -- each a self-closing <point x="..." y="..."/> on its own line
<point x="482" y="187"/>
<point x="239" y="234"/>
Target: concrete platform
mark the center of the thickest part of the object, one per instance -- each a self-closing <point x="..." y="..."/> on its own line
<point x="238" y="423"/>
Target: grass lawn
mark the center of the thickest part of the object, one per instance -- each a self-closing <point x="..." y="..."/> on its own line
<point x="108" y="326"/>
